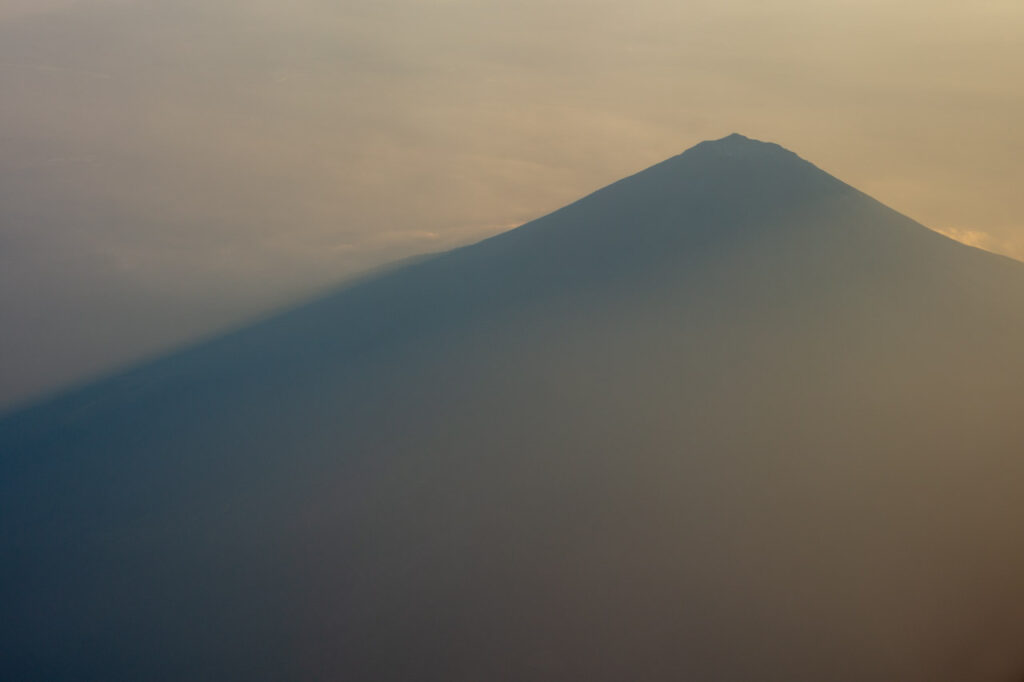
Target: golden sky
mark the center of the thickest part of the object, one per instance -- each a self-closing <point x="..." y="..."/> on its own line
<point x="171" y="166"/>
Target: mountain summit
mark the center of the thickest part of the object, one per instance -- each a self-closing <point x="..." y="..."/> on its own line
<point x="727" y="418"/>
<point x="741" y="145"/>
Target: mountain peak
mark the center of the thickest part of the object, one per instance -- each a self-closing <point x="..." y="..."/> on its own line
<point x="736" y="145"/>
<point x="735" y="138"/>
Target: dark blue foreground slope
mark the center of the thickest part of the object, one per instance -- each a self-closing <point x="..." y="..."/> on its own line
<point x="727" y="418"/>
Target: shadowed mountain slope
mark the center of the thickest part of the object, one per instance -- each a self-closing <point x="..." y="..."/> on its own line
<point x="727" y="418"/>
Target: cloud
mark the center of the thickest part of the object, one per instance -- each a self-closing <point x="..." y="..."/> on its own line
<point x="982" y="240"/>
<point x="987" y="241"/>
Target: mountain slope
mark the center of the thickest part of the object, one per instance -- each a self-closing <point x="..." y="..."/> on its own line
<point x="725" y="418"/>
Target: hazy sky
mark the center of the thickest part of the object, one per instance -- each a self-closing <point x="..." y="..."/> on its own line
<point x="168" y="167"/>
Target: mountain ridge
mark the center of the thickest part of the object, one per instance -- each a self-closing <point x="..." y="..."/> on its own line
<point x="681" y="179"/>
<point x="737" y="150"/>
<point x="714" y="421"/>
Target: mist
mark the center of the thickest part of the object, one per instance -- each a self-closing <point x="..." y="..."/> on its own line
<point x="727" y="418"/>
<point x="170" y="169"/>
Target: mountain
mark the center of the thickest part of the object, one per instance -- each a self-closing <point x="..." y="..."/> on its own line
<point x="727" y="418"/>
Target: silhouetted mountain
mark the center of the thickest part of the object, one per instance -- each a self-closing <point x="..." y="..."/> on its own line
<point x="726" y="419"/>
